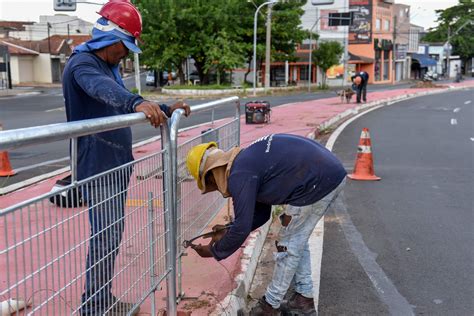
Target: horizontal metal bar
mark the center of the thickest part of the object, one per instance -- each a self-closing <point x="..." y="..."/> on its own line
<point x="210" y="105"/>
<point x="22" y="137"/>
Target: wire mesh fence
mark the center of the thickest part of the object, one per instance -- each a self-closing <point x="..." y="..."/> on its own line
<point x="87" y="259"/>
<point x="105" y="244"/>
<point x="196" y="210"/>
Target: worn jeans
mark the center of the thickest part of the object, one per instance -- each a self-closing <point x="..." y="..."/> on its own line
<point x="106" y="219"/>
<point x="362" y="92"/>
<point x="293" y="258"/>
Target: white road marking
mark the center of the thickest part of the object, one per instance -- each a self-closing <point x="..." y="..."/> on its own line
<point x="467" y="102"/>
<point x="456" y="110"/>
<point x="56" y="109"/>
<point x="472" y="139"/>
<point x="454" y="121"/>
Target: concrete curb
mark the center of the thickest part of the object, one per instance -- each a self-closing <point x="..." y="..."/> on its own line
<point x="236" y="300"/>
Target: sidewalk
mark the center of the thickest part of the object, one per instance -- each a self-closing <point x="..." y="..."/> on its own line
<point x="222" y="286"/>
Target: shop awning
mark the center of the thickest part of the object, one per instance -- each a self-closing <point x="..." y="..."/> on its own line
<point x="424" y="60"/>
<point x="356" y="59"/>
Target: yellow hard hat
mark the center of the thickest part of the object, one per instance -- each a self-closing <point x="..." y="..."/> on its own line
<point x="194" y="159"/>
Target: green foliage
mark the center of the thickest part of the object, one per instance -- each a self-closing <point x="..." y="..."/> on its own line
<point x="217" y="34"/>
<point x="134" y="90"/>
<point x="327" y="55"/>
<point x="453" y="18"/>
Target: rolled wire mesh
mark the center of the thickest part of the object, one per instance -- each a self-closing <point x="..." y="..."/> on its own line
<point x="62" y="260"/>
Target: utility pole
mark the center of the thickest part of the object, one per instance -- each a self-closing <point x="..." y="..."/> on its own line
<point x="137" y="70"/>
<point x="394" y="55"/>
<point x="48" y="25"/>
<point x="448" y="53"/>
<point x="310" y="62"/>
<point x="268" y="47"/>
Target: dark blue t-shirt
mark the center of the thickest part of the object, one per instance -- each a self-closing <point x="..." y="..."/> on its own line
<point x="91" y="91"/>
<point x="276" y="169"/>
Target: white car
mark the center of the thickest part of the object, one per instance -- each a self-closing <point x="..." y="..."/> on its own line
<point x="150" y="78"/>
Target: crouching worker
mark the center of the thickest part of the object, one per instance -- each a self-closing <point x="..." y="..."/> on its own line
<point x="360" y="81"/>
<point x="275" y="169"/>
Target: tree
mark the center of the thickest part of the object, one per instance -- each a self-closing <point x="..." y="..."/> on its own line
<point x="217" y="34"/>
<point x="450" y="20"/>
<point x="327" y="55"/>
<point x="223" y="53"/>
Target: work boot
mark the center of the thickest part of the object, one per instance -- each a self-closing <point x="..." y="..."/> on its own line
<point x="298" y="305"/>
<point x="264" y="309"/>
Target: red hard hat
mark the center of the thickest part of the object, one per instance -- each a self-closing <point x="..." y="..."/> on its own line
<point x="125" y="15"/>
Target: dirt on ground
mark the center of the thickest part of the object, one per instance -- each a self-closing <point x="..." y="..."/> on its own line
<point x="427" y="84"/>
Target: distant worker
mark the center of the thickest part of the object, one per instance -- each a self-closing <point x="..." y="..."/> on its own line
<point x="93" y="88"/>
<point x="275" y="169"/>
<point x="360" y="81"/>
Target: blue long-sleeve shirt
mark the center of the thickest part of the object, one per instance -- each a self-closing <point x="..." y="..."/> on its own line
<point x="91" y="90"/>
<point x="276" y="169"/>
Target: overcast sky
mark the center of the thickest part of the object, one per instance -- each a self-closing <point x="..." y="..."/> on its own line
<point x="423" y="11"/>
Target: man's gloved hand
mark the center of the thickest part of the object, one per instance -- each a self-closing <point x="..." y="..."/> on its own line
<point x="181" y="105"/>
<point x="203" y="251"/>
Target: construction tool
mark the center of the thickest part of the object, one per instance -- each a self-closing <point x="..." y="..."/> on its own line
<point x="189" y="243"/>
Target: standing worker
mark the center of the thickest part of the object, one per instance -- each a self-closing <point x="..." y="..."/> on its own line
<point x="93" y="88"/>
<point x="360" y="80"/>
<point x="275" y="169"/>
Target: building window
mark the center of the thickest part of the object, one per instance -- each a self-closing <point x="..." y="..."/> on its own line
<point x="386" y="25"/>
<point x="303" y="73"/>
<point x="377" y="24"/>
<point x="386" y="64"/>
<point x="377" y="65"/>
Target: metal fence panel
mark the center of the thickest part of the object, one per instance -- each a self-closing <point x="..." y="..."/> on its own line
<point x="196" y="210"/>
<point x="43" y="248"/>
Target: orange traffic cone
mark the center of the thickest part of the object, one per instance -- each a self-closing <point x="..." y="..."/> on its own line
<point x="5" y="166"/>
<point x="364" y="165"/>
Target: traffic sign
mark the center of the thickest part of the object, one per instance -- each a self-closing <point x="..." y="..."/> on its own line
<point x="64" y="5"/>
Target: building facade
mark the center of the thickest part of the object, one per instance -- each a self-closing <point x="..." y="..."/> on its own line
<point x="53" y="25"/>
<point x="401" y="24"/>
<point x="371" y="39"/>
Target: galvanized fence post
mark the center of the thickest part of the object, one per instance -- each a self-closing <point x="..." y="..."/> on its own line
<point x="170" y="239"/>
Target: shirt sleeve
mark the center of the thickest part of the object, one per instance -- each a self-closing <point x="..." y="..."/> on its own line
<point x="103" y="88"/>
<point x="261" y="215"/>
<point x="244" y="193"/>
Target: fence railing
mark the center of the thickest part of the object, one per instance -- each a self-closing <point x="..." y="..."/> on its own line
<point x="114" y="237"/>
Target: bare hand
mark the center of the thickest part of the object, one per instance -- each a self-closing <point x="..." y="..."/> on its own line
<point x="203" y="251"/>
<point x="181" y="105"/>
<point x="152" y="112"/>
<point x="219" y="232"/>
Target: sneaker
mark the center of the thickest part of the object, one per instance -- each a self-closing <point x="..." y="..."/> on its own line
<point x="264" y="309"/>
<point x="299" y="305"/>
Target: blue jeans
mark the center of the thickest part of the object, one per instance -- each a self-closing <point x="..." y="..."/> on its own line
<point x="293" y="258"/>
<point x="107" y="220"/>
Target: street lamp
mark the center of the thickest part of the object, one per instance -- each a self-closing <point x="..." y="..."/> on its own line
<point x="311" y="51"/>
<point x="255" y="44"/>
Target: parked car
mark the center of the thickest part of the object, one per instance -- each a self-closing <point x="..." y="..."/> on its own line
<point x="150" y="78"/>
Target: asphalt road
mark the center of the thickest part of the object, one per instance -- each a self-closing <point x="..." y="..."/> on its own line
<point x="404" y="245"/>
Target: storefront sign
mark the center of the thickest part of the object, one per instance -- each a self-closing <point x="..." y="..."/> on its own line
<point x="360" y="32"/>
